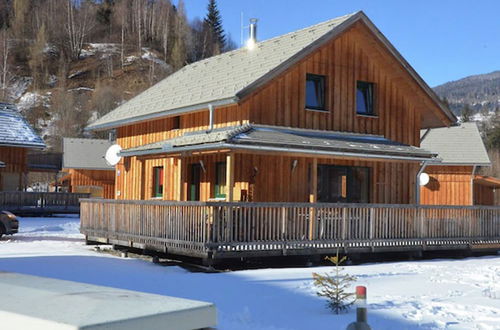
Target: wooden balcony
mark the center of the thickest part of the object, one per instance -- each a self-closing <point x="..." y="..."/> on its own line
<point x="215" y="230"/>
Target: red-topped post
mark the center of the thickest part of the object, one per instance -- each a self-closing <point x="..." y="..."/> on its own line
<point x="361" y="311"/>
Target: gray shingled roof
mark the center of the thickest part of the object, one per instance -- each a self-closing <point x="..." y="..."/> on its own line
<point x="15" y="130"/>
<point x="284" y="139"/>
<point x="226" y="78"/>
<point x="456" y="145"/>
<point x="85" y="154"/>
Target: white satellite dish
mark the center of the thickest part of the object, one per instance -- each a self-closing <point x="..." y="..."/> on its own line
<point x="423" y="179"/>
<point x="111" y="156"/>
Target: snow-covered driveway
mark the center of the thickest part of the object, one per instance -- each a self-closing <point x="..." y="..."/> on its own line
<point x="437" y="294"/>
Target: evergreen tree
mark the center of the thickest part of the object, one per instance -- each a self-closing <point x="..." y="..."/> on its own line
<point x="446" y="102"/>
<point x="466" y="114"/>
<point x="213" y="22"/>
<point x="334" y="287"/>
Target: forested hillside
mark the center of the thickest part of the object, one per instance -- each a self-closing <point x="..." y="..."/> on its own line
<point x="66" y="62"/>
<point x="481" y="93"/>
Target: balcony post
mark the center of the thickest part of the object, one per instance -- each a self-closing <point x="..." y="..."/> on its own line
<point x="180" y="183"/>
<point x="313" y="197"/>
<point x="230" y="176"/>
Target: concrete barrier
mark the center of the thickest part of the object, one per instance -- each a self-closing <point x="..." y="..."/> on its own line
<point x="31" y="302"/>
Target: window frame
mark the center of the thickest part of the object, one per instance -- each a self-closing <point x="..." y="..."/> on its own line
<point x="373" y="112"/>
<point x="158" y="184"/>
<point x="323" y="78"/>
<point x="217" y="185"/>
<point x="348" y="176"/>
<point x="176" y="122"/>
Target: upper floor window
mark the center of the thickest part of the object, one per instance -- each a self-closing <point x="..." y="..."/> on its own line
<point x="158" y="181"/>
<point x="364" y="98"/>
<point x="315" y="91"/>
<point x="176" y="122"/>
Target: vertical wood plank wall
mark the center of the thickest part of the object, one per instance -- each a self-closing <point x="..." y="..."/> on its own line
<point x="15" y="162"/>
<point x="448" y="185"/>
<point x="484" y="195"/>
<point x="100" y="178"/>
<point x="344" y="61"/>
<point x="400" y="106"/>
<point x="267" y="178"/>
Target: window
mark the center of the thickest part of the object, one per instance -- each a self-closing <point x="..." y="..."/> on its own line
<point x="315" y="92"/>
<point x="343" y="184"/>
<point x="158" y="181"/>
<point x="220" y="180"/>
<point x="176" y="122"/>
<point x="364" y="98"/>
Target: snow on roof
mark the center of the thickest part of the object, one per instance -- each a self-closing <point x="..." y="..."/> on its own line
<point x="15" y="130"/>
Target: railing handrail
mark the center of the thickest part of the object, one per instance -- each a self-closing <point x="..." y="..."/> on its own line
<point x="205" y="227"/>
<point x="286" y="204"/>
<point x="45" y="193"/>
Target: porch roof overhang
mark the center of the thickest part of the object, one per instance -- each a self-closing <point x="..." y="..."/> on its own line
<point x="487" y="181"/>
<point x="263" y="138"/>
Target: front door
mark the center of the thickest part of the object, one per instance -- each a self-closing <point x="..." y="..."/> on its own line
<point x="194" y="182"/>
<point x="343" y="184"/>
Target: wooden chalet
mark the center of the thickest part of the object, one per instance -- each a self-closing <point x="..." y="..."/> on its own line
<point x="301" y="144"/>
<point x="17" y="137"/>
<point x="454" y="180"/>
<point x="87" y="171"/>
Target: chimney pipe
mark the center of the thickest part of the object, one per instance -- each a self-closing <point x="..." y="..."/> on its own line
<point x="252" y="40"/>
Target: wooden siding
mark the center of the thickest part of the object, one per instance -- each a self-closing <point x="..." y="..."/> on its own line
<point x="15" y="162"/>
<point x="260" y="178"/>
<point x="90" y="178"/>
<point x="484" y="195"/>
<point x="344" y="61"/>
<point x="400" y="106"/>
<point x="448" y="185"/>
<point x="162" y="129"/>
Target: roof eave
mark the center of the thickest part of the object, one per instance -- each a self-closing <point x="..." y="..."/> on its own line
<point x="232" y="146"/>
<point x="24" y="145"/>
<point x="382" y="38"/>
<point x="444" y="163"/>
<point x="88" y="168"/>
<point x="167" y="113"/>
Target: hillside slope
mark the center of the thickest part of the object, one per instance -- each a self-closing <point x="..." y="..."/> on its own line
<point x="481" y="92"/>
<point x="89" y="87"/>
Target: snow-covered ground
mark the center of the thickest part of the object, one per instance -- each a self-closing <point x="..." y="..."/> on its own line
<point x="437" y="294"/>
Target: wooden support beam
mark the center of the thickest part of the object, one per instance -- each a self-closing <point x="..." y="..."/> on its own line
<point x="180" y="181"/>
<point x="230" y="176"/>
<point x="313" y="197"/>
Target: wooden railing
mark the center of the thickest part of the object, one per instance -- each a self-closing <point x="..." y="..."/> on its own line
<point x="22" y="202"/>
<point x="238" y="229"/>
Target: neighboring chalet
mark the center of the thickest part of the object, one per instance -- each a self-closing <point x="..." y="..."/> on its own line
<point x="16" y="138"/>
<point x="88" y="172"/>
<point x="454" y="181"/>
<point x="330" y="113"/>
<point x="305" y="143"/>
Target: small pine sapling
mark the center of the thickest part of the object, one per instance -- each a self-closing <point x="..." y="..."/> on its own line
<point x="334" y="286"/>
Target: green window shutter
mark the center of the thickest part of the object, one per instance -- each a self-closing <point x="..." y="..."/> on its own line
<point x="220" y="180"/>
<point x="158" y="181"/>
